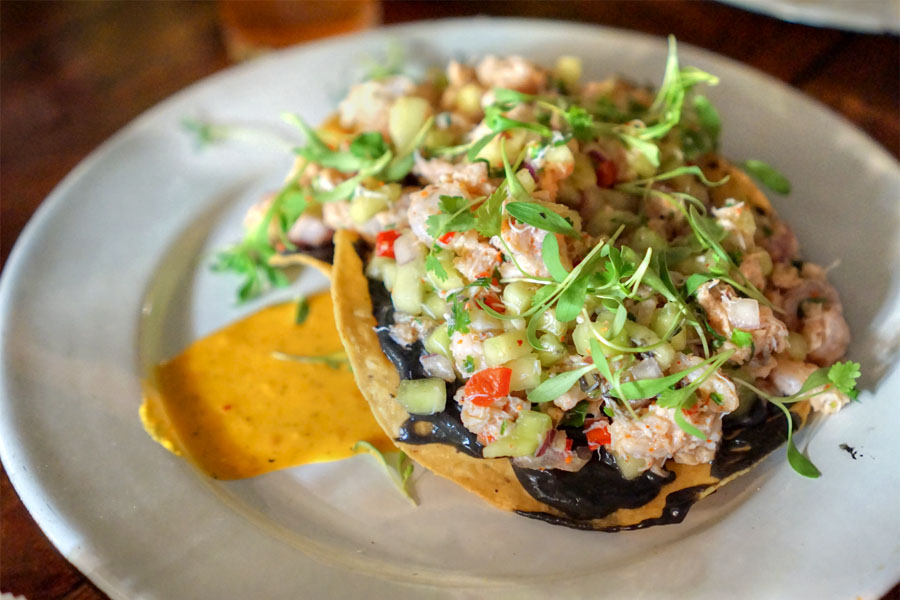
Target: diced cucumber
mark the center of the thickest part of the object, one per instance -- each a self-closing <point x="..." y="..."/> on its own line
<point x="453" y="280"/>
<point x="765" y="261"/>
<point x="468" y="99"/>
<point x="640" y="163"/>
<point x="679" y="340"/>
<point x="408" y="290"/>
<point x="440" y="138"/>
<point x="582" y="338"/>
<point x="439" y="341"/>
<point x="746" y="400"/>
<point x="568" y="70"/>
<point x="505" y="347"/>
<point x="559" y="154"/>
<point x="629" y="466"/>
<point x="583" y="333"/>
<point x="406" y="117"/>
<point x="606" y="220"/>
<point x="664" y="318"/>
<point x="527" y="181"/>
<point x="583" y="175"/>
<point x="378" y="268"/>
<point x="698" y="263"/>
<point x="550" y="324"/>
<point x="516" y="140"/>
<point x="644" y="336"/>
<point x="422" y="396"/>
<point x="523" y="437"/>
<point x="517" y="297"/>
<point x="435" y="306"/>
<point x="526" y="373"/>
<point x="365" y="206"/>
<point x="553" y="351"/>
<point x="798" y="347"/>
<point x="644" y="238"/>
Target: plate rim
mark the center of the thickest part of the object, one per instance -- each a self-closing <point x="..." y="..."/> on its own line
<point x="28" y="486"/>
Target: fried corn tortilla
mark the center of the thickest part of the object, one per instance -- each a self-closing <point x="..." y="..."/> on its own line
<point x="563" y="495"/>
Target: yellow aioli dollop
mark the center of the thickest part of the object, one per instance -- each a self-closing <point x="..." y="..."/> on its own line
<point x="228" y="405"/>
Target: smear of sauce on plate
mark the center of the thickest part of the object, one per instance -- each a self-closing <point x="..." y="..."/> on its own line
<point x="227" y="404"/>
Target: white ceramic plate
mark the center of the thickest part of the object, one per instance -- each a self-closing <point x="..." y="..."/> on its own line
<point x="111" y="275"/>
<point x="870" y="16"/>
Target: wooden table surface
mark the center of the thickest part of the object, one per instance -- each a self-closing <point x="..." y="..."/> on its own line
<point x="73" y="73"/>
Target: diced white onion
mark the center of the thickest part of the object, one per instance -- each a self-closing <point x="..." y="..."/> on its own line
<point x="406" y="248"/>
<point x="436" y="365"/>
<point x="744" y="313"/>
<point x="646" y="369"/>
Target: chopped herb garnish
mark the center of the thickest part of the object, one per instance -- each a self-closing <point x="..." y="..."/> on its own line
<point x="768" y="175"/>
<point x="334" y="360"/>
<point x="302" y="311"/>
<point x="741" y="339"/>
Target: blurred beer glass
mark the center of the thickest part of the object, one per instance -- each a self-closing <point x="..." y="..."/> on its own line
<point x="252" y="27"/>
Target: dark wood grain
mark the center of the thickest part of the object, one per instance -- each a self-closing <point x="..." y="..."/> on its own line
<point x="73" y="73"/>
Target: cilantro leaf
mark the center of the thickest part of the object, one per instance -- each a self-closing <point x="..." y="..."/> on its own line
<point x="489" y="216"/>
<point x="459" y="316"/>
<point x="454" y="216"/>
<point x="844" y="375"/>
<point x="434" y="265"/>
<point x="741" y="339"/>
<point x="581" y="122"/>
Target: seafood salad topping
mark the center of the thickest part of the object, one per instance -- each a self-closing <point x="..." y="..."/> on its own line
<point x="575" y="257"/>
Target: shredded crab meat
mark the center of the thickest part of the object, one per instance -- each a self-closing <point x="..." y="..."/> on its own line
<point x="471" y="176"/>
<point x="577" y="179"/>
<point x="826" y="332"/>
<point x="568" y="400"/>
<point x="467" y="350"/>
<point x="514" y="72"/>
<point x="752" y="267"/>
<point x="717" y="383"/>
<point x="407" y="329"/>
<point x="487" y="422"/>
<point x="737" y="220"/>
<point x="769" y="338"/>
<point x="655" y="437"/>
<point x="522" y="244"/>
<point x="474" y="258"/>
<point x="426" y="203"/>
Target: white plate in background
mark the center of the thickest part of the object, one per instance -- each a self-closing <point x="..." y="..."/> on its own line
<point x="868" y="16"/>
<point x="111" y="275"/>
